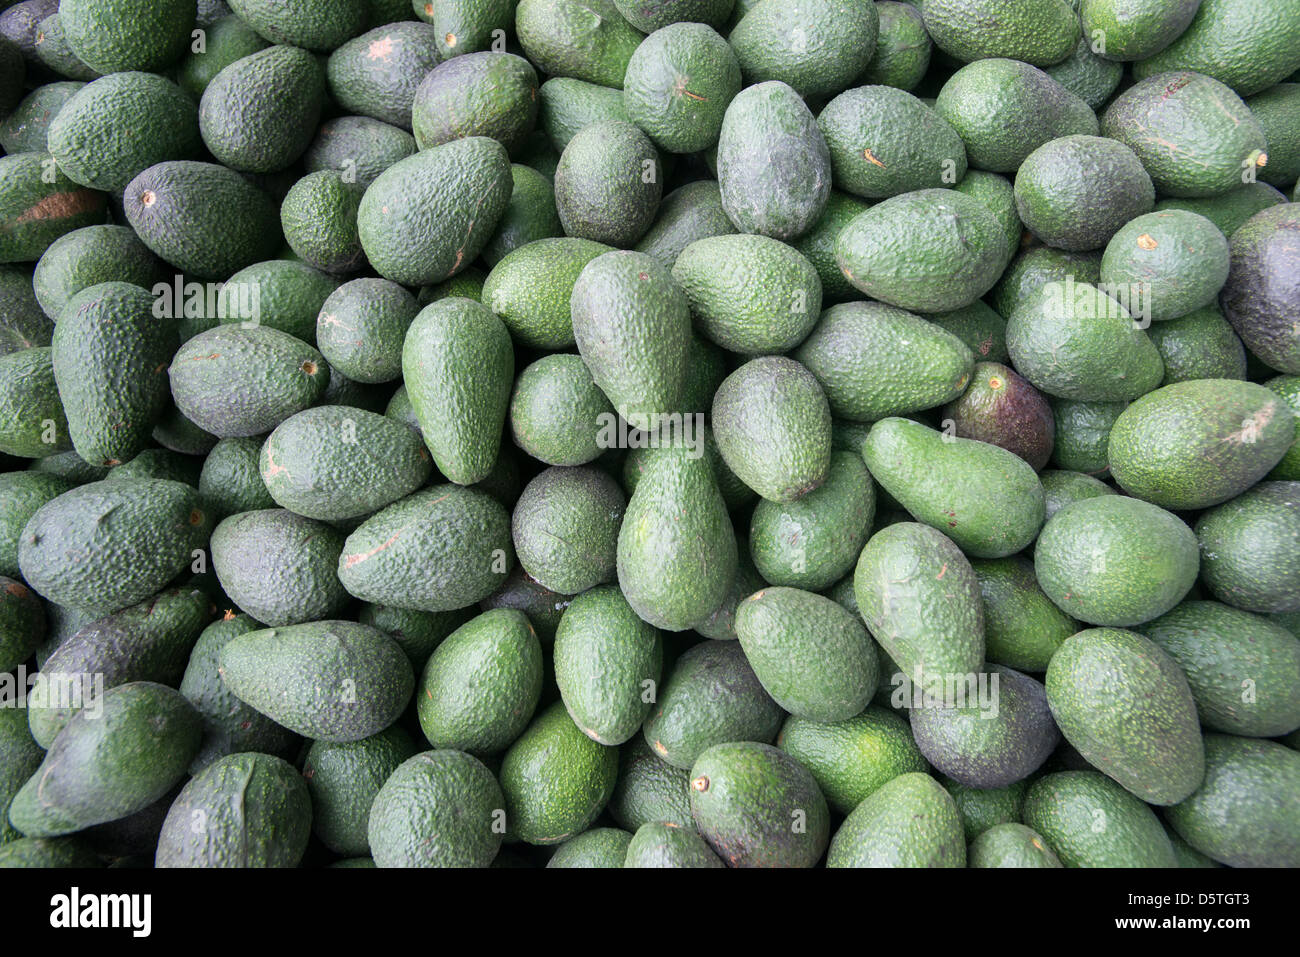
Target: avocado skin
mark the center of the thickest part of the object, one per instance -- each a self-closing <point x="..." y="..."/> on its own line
<point x="1249" y="557"/>
<point x="596" y="847"/>
<point x="204" y="219"/>
<point x="1127" y="707"/>
<point x="282" y="672"/>
<point x="1063" y="807"/>
<point x="255" y="810"/>
<point x="1243" y="815"/>
<point x="1262" y="292"/>
<point x="1195" y="444"/>
<point x="743" y="797"/>
<point x="146" y="642"/>
<point x="773" y="165"/>
<point x="711" y="696"/>
<point x="452" y="548"/>
<point x="1011" y="845"/>
<point x="1041" y="32"/>
<point x="438" y="809"/>
<point x="108" y="765"/>
<point x="910" y="821"/>
<point x="70" y="556"/>
<point x="109" y="354"/>
<point x="661" y="844"/>
<point x="343" y="779"/>
<point x="1115" y="561"/>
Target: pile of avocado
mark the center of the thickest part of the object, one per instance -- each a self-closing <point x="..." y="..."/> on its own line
<point x="649" y="433"/>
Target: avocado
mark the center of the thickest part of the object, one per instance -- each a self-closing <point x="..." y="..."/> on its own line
<point x="150" y="641"/>
<point x="885" y="141"/>
<point x="921" y="601"/>
<point x="259" y="114"/>
<point x="999" y="194"/>
<point x="226" y="40"/>
<point x="910" y="821"/>
<point x="113" y="759"/>
<point x="1257" y="299"/>
<point x="678" y="84"/>
<point x="21" y="494"/>
<point x="556" y="779"/>
<point x="812" y="656"/>
<point x="477" y="94"/>
<point x="664" y="844"/>
<point x="362" y="326"/>
<point x="109" y="353"/>
<point x="818" y="48"/>
<point x="1011" y="845"/>
<point x="649" y="789"/>
<point x="377" y="73"/>
<point x="749" y="293"/>
<point x="1090" y="821"/>
<point x="585" y="39"/>
<point x="773" y="165"/>
<point x="1127" y="708"/>
<point x="1286" y="387"/>
<point x="556" y="411"/>
<point x="457" y="357"/>
<point x="51" y="47"/>
<point x="608" y="703"/>
<point x="530" y="289"/>
<point x="984" y="808"/>
<point x="118" y="35"/>
<point x="565" y="527"/>
<point x="567" y="105"/>
<point x="464" y="27"/>
<point x="1194" y="136"/>
<point x="39" y="203"/>
<point x="986" y="499"/>
<point x="1083" y="434"/>
<point x="1248" y="549"/>
<point x="87" y="257"/>
<point x="1087" y="75"/>
<point x="1115" y="561"/>
<point x="1238" y="665"/>
<point x="327" y="680"/>
<point x="1194" y="444"/>
<point x="1041" y="32"/>
<point x="71" y="555"/>
<point x="22" y="756"/>
<point x="632" y="324"/>
<point x="1179" y="258"/>
<point x="852" y="759"/>
<point x="1247" y="44"/>
<point x="597" y="847"/>
<point x="204" y="219"/>
<point x="48" y="852"/>
<point x="1062" y="487"/>
<point x="1036" y="266"/>
<point x="758" y="807"/>
<point x="359" y="147"/>
<point x="230" y="481"/>
<point x="932" y="250"/>
<point x="1071" y="340"/>
<point x="343" y="779"/>
<point x="1003" y="409"/>
<point x="1228" y="210"/>
<point x="1242" y="814"/>
<point x="1200" y="345"/>
<point x="676" y="554"/>
<point x="481" y="684"/>
<point x="773" y="428"/>
<point x="335" y="462"/>
<point x="229" y="725"/>
<point x="243" y="810"/>
<point x="814" y="541"/>
<point x="712" y="696"/>
<point x="22" y="623"/>
<point x="441" y="548"/>
<point x="1278" y="112"/>
<point x="689" y="213"/>
<point x="34" y="424"/>
<point x="1022" y="628"/>
<point x="1075" y="192"/>
<point x="530" y="215"/>
<point x="817" y="244"/>
<point x="1135" y="31"/>
<point x="988" y="743"/>
<point x="438" y="809"/>
<point x="25" y="129"/>
<point x="319" y="219"/>
<point x="903" y="48"/>
<point x="608" y="184"/>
